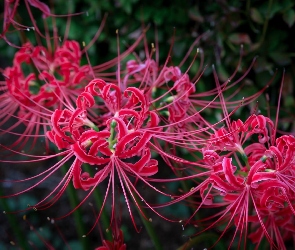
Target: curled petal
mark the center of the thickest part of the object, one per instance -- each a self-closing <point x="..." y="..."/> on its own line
<point x="255" y="168"/>
<point x="57" y="140"/>
<point x="86" y="158"/>
<point x="85" y="100"/>
<point x="145" y="166"/>
<point x="210" y="156"/>
<point x="93" y="84"/>
<point x="228" y="169"/>
<point x="83" y="180"/>
<point x="154" y="121"/>
<point x="273" y="184"/>
<point x="221" y="185"/>
<point x="56" y="117"/>
<point x="91" y="134"/>
<point x="263" y="176"/>
<point x="111" y="97"/>
<point x="128" y="140"/>
<point x="271" y="200"/>
<point x="136" y="119"/>
<point x="136" y="96"/>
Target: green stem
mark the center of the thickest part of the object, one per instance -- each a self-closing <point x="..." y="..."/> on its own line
<point x="79" y="224"/>
<point x="151" y="232"/>
<point x="204" y="237"/>
<point x="245" y="160"/>
<point x="112" y="139"/>
<point x="265" y="25"/>
<point x="20" y="236"/>
<point x="248" y="13"/>
<point x="148" y="226"/>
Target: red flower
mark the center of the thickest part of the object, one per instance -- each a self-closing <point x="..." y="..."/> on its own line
<point x="260" y="183"/>
<point x="120" y="146"/>
<point x="116" y="244"/>
<point x="34" y="97"/>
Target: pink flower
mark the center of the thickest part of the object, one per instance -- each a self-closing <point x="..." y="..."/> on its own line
<point x="34" y="96"/>
<point x="121" y="139"/>
<point x="253" y="187"/>
<point x="116" y="150"/>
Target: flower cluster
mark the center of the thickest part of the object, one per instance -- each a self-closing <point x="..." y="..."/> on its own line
<point x="250" y="176"/>
<point x="111" y="134"/>
<point x="39" y="82"/>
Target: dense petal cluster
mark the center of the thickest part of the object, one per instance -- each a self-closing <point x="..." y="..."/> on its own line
<point x="121" y="136"/>
<point x="251" y="178"/>
<point x="39" y="78"/>
<point x="39" y="82"/>
<point x="111" y="134"/>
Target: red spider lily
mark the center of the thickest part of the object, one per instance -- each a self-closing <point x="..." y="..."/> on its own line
<point x="62" y="78"/>
<point x="180" y="108"/>
<point x="252" y="188"/>
<point x="279" y="224"/>
<point x="150" y="77"/>
<point x="233" y="138"/>
<point x="105" y="147"/>
<point x="42" y="80"/>
<point x="120" y="149"/>
<point x="116" y="244"/>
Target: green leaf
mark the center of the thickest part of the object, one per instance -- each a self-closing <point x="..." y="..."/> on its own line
<point x="256" y="16"/>
<point x="280" y="58"/>
<point x="289" y="17"/>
